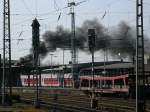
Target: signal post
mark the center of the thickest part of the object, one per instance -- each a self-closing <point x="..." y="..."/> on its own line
<point x="91" y="42"/>
<point x="35" y="47"/>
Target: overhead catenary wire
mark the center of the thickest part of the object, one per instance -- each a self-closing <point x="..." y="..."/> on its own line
<point x="56" y="7"/>
<point x="113" y="2"/>
<point x="26" y="6"/>
<point x="145" y="3"/>
<point x="81" y="12"/>
<point x="117" y="13"/>
<point x="84" y="13"/>
<point x="36" y="8"/>
<point x="60" y="9"/>
<point x="59" y="17"/>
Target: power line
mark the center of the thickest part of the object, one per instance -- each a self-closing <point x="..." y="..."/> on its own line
<point x="113" y="2"/>
<point x="145" y="3"/>
<point x="36" y="6"/>
<point x="26" y="6"/>
<point x="56" y="7"/>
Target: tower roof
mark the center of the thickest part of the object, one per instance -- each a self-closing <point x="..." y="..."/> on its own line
<point x="35" y="23"/>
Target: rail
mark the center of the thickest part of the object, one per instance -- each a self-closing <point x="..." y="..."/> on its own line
<point x="77" y="101"/>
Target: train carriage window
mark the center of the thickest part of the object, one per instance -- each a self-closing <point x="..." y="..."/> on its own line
<point x="91" y="83"/>
<point x="88" y="73"/>
<point x="95" y="83"/>
<point x="84" y="83"/>
<point x="148" y="80"/>
<point x="109" y="83"/>
<point x="127" y="80"/>
<point x="119" y="82"/>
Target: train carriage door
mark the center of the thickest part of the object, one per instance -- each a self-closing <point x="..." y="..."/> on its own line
<point x="113" y="84"/>
<point x="28" y="80"/>
<point x="124" y="80"/>
<point x="51" y="79"/>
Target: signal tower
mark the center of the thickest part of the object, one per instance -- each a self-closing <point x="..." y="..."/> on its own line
<point x="35" y="46"/>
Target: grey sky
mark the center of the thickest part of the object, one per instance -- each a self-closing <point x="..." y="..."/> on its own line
<point x="24" y="11"/>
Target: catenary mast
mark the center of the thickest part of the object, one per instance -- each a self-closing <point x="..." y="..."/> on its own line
<point x="6" y="51"/>
<point x="73" y="45"/>
<point x="140" y="79"/>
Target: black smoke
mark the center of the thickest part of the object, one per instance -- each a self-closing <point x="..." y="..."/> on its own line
<point x="120" y="39"/>
<point x="61" y="38"/>
<point x="43" y="49"/>
<point x="57" y="39"/>
<point x="123" y="40"/>
<point x="28" y="59"/>
<point x="102" y="36"/>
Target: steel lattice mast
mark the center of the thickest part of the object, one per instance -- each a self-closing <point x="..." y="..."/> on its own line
<point x="140" y="80"/>
<point x="6" y="48"/>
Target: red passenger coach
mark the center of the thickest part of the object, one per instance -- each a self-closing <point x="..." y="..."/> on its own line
<point x="109" y="79"/>
<point x="105" y="84"/>
<point x="49" y="78"/>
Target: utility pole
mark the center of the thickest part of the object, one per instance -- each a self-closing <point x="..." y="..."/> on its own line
<point x="73" y="44"/>
<point x="35" y="46"/>
<point x="140" y="76"/>
<point x="6" y="51"/>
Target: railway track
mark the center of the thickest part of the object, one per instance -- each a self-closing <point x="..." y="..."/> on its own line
<point x="81" y="103"/>
<point x="47" y="100"/>
<point x="61" y="106"/>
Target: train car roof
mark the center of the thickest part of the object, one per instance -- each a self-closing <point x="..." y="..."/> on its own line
<point x="113" y="66"/>
<point x="103" y="77"/>
<point x="53" y="69"/>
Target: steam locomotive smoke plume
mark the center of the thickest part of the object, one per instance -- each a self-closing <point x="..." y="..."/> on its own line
<point x="61" y="38"/>
<point x="28" y="59"/>
<point x="102" y="38"/>
<point x="57" y="39"/>
<point x="43" y="50"/>
<point x="123" y="40"/>
<point x="120" y="39"/>
<point x="125" y="43"/>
